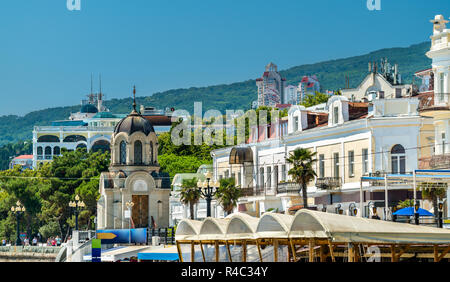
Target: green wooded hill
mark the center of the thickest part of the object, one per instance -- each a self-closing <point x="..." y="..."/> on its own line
<point x="234" y="96"/>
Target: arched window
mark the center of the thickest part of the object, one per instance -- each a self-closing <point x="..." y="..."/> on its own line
<point x="101" y="146"/>
<point x="398" y="159"/>
<point x="137" y="152"/>
<point x="56" y="151"/>
<point x="81" y="146"/>
<point x="123" y="152"/>
<point x="48" y="139"/>
<point x="151" y="152"/>
<point x="39" y="151"/>
<point x="48" y="153"/>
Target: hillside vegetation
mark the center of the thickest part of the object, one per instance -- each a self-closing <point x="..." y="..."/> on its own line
<point x="235" y="96"/>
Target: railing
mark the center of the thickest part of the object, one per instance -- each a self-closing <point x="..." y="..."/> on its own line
<point x="254" y="191"/>
<point x="329" y="183"/>
<point x="288" y="188"/>
<point x="166" y="235"/>
<point x="74" y="128"/>
<point x="84" y="236"/>
<point x="434" y="101"/>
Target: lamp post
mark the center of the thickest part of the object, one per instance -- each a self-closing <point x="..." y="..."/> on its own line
<point x="338" y="209"/>
<point x="76" y="205"/>
<point x="19" y="209"/>
<point x="129" y="205"/>
<point x="208" y="189"/>
<point x="416" y="213"/>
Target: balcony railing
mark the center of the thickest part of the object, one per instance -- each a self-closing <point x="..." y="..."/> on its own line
<point x="288" y="188"/>
<point x="440" y="161"/>
<point x="329" y="183"/>
<point x="257" y="191"/>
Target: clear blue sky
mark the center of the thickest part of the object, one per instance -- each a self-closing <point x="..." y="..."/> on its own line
<point x="47" y="53"/>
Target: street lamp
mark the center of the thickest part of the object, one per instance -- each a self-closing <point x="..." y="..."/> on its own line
<point x="129" y="205"/>
<point x="208" y="189"/>
<point x="19" y="209"/>
<point x="77" y="205"/>
<point x="352" y="209"/>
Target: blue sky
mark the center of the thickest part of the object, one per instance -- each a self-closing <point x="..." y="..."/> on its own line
<point x="47" y="53"/>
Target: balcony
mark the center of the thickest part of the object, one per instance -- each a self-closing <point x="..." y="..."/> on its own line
<point x="257" y="191"/>
<point x="288" y="188"/>
<point x="329" y="183"/>
<point x="440" y="161"/>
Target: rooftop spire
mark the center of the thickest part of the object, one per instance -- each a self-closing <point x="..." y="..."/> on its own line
<point x="134" y="98"/>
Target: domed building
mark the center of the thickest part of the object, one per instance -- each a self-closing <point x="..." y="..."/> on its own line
<point x="134" y="177"/>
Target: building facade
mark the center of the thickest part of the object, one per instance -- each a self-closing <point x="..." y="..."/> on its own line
<point x="135" y="192"/>
<point x="270" y="87"/>
<point x="88" y="128"/>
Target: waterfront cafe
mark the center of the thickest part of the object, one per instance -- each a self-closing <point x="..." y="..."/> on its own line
<point x="308" y="236"/>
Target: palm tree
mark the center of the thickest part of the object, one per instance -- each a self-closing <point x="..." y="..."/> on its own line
<point x="302" y="171"/>
<point x="190" y="194"/>
<point x="432" y="191"/>
<point x="228" y="194"/>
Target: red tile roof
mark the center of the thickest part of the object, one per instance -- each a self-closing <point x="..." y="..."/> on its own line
<point x="24" y="157"/>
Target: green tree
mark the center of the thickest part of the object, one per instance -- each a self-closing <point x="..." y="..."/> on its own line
<point x="432" y="191"/>
<point x="314" y="99"/>
<point x="302" y="170"/>
<point x="228" y="194"/>
<point x="190" y="194"/>
<point x="405" y="204"/>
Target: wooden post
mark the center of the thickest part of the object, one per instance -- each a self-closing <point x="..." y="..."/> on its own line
<point x="444" y="252"/>
<point x="333" y="259"/>
<point x="311" y="250"/>
<point x="203" y="253"/>
<point x="436" y="253"/>
<point x="259" y="251"/>
<point x="228" y="250"/>
<point x="275" y="250"/>
<point x="294" y="255"/>
<point x="323" y="256"/>
<point x="216" y="246"/>
<point x="192" y="252"/>
<point x="351" y="250"/>
<point x="393" y="257"/>
<point x="180" y="255"/>
<point x="244" y="251"/>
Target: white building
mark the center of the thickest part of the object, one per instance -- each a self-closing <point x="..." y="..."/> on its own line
<point x="351" y="139"/>
<point x="291" y="95"/>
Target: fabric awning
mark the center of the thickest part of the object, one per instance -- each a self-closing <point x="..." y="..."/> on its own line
<point x="159" y="253"/>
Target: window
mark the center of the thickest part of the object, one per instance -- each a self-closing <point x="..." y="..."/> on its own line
<point x="336" y="164"/>
<point x="48" y="153"/>
<point x="269" y="177"/>
<point x="295" y="124"/>
<point x="261" y="177"/>
<point x="151" y="152"/>
<point x="443" y="142"/>
<point x="441" y="86"/>
<point x="39" y="151"/>
<point x="351" y="163"/>
<point x="275" y="175"/>
<point x="239" y="179"/>
<point x="283" y="172"/>
<point x="56" y="151"/>
<point x="335" y="115"/>
<point x="233" y="175"/>
<point x="398" y="159"/>
<point x="227" y="173"/>
<point x="123" y="152"/>
<point x="321" y="166"/>
<point x="365" y="160"/>
<point x="138" y="152"/>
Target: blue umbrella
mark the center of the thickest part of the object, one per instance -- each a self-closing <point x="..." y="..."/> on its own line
<point x="409" y="211"/>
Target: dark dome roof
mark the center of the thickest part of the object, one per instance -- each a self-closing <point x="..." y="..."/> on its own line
<point x="88" y="109"/>
<point x="134" y="122"/>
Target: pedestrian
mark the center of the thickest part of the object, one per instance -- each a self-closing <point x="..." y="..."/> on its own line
<point x="53" y="242"/>
<point x="58" y="241"/>
<point x="3" y="242"/>
<point x="34" y="242"/>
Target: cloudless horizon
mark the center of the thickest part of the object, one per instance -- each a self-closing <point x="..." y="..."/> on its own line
<point x="48" y="53"/>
